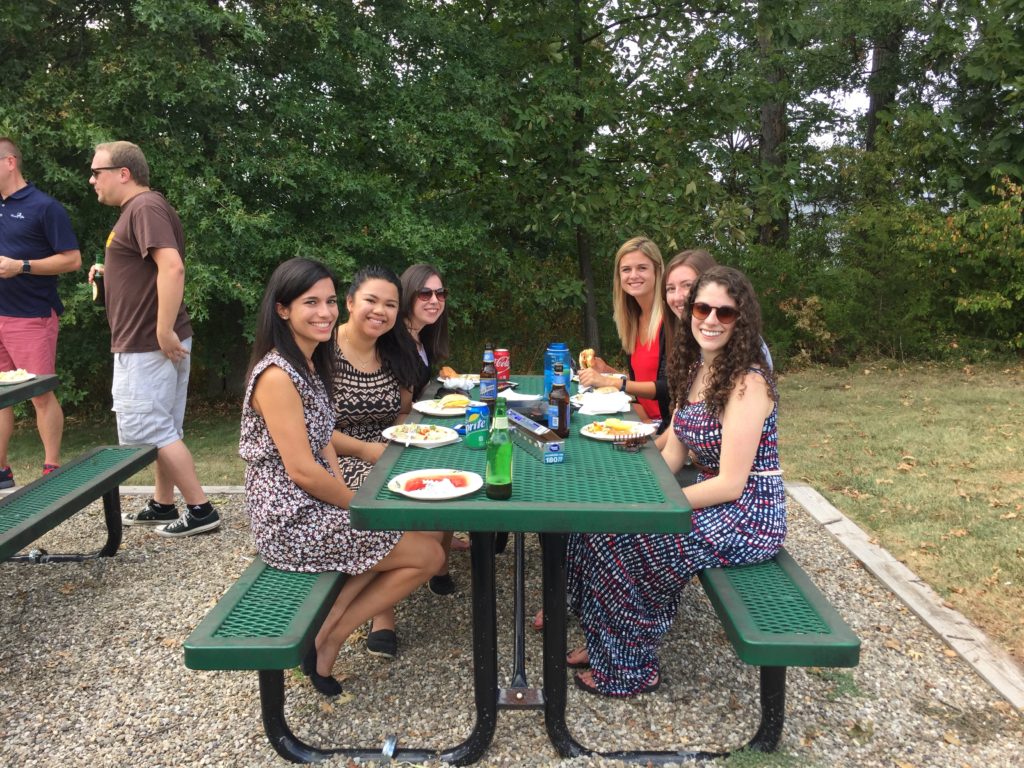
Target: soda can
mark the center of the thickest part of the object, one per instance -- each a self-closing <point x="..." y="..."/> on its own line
<point x="503" y="362"/>
<point x="478" y="423"/>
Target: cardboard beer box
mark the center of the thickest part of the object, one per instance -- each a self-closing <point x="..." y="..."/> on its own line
<point x="536" y="439"/>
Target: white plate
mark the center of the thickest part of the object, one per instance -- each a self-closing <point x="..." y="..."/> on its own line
<point x="431" y="408"/>
<point x="421" y="435"/>
<point x="472" y="483"/>
<point x="16" y="377"/>
<point x="639" y="428"/>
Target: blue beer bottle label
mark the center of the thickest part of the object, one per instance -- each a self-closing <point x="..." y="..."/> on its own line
<point x="553" y="417"/>
<point x="488" y="389"/>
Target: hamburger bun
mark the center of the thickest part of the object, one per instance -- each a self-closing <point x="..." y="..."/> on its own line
<point x="453" y="401"/>
<point x="447" y="372"/>
<point x="606" y="390"/>
<point x="586" y="358"/>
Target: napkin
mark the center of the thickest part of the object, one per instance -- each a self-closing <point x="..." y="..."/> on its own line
<point x="596" y="403"/>
<point x="459" y="383"/>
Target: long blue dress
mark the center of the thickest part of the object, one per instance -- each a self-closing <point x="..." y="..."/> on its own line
<point x="625" y="588"/>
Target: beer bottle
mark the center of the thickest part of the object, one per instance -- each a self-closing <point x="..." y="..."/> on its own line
<point x="558" y="404"/>
<point x="498" y="477"/>
<point x="98" y="296"/>
<point x="489" y="381"/>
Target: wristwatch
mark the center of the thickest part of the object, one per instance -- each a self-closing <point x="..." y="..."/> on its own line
<point x="26" y="266"/>
<point x="622" y="386"/>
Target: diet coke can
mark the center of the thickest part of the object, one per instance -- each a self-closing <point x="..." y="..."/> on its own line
<point x="503" y="362"/>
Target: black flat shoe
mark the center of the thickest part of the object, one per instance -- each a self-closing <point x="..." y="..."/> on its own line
<point x="327" y="685"/>
<point x="578" y="664"/>
<point x="441" y="585"/>
<point x="382" y="642"/>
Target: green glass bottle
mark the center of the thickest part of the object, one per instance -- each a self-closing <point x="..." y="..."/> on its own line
<point x="499" y="455"/>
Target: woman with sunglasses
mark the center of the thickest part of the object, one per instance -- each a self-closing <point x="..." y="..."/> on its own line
<point x="295" y="498"/>
<point x="626" y="588"/>
<point x="424" y="300"/>
<point x="374" y="377"/>
<point x="638" y="311"/>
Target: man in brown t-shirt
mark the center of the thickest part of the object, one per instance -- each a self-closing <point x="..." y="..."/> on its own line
<point x="151" y="336"/>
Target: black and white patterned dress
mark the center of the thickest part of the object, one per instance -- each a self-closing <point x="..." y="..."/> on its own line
<point x="365" y="404"/>
<point x="293" y="530"/>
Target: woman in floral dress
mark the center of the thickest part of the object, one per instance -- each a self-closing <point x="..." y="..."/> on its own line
<point x="294" y="496"/>
<point x="626" y="588"/>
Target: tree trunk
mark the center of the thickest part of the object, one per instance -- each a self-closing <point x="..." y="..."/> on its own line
<point x="586" y="265"/>
<point x="882" y="81"/>
<point x="774" y="130"/>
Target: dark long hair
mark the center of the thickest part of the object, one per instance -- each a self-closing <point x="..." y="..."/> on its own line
<point x="700" y="261"/>
<point x="433" y="337"/>
<point x="290" y="280"/>
<point x="742" y="351"/>
<point x="394" y="345"/>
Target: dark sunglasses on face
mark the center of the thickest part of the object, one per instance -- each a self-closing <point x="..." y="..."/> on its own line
<point x="94" y="172"/>
<point x="725" y="315"/>
<point x="424" y="294"/>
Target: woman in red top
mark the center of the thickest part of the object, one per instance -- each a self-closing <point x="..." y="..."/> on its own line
<point x="638" y="310"/>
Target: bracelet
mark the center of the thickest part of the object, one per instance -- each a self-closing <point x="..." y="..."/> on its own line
<point x="622" y="386"/>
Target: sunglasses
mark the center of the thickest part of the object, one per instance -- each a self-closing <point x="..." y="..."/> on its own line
<point x="94" y="172"/>
<point x="725" y="315"/>
<point x="424" y="294"/>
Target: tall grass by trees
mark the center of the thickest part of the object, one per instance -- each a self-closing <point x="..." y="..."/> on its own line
<point x="517" y="144"/>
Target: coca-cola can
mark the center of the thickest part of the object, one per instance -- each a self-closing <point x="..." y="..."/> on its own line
<point x="503" y="362"/>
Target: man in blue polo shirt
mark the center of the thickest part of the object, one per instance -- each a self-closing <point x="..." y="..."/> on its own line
<point x="36" y="244"/>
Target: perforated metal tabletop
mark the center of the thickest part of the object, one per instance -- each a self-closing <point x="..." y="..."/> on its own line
<point x="596" y="489"/>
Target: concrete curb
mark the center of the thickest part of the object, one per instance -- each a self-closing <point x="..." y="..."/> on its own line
<point x="990" y="661"/>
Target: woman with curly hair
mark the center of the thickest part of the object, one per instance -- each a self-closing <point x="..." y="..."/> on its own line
<point x="626" y="588"/>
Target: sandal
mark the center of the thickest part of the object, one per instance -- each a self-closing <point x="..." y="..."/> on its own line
<point x="595" y="691"/>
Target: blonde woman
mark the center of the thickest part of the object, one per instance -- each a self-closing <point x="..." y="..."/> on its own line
<point x="638" y="311"/>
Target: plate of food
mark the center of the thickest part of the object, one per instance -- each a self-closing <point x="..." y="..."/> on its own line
<point x="421" y="435"/>
<point x="436" y="484"/>
<point x="617" y="429"/>
<point x="16" y="377"/>
<point x="449" y="405"/>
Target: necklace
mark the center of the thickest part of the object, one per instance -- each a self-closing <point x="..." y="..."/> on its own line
<point x="364" y="363"/>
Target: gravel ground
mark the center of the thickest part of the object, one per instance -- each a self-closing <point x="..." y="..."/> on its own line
<point x="91" y="672"/>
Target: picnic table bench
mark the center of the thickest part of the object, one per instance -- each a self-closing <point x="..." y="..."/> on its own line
<point x="772" y="613"/>
<point x="32" y="510"/>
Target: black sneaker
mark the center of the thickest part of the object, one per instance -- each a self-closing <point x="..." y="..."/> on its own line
<point x="383" y="642"/>
<point x="441" y="585"/>
<point x="151" y="514"/>
<point x="6" y="478"/>
<point x="189" y="525"/>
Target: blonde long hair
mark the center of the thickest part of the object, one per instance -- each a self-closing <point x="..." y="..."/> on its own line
<point x="626" y="309"/>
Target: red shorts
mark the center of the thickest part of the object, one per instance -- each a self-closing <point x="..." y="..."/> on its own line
<point x="29" y="343"/>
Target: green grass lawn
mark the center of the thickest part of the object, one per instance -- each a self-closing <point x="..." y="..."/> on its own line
<point x="928" y="459"/>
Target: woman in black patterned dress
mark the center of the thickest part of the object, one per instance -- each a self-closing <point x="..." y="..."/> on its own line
<point x="294" y="497"/>
<point x="374" y="377"/>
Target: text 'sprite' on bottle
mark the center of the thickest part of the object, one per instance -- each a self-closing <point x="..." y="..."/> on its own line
<point x="558" y="404"/>
<point x="498" y="479"/>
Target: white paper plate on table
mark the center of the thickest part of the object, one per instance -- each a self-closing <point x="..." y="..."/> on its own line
<point x="436" y="484"/>
<point x="515" y="397"/>
<point x="595" y="403"/>
<point x="596" y="431"/>
<point x="432" y="408"/>
<point x="421" y="435"/>
<point x="16" y="377"/>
